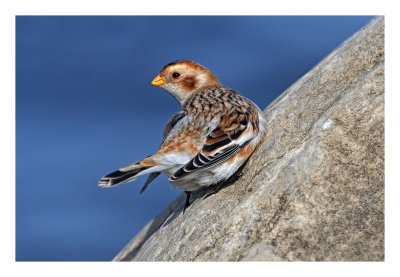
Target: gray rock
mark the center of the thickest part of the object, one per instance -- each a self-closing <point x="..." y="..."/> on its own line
<point x="314" y="191"/>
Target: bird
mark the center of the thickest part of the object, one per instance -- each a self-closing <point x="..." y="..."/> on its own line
<point x="207" y="141"/>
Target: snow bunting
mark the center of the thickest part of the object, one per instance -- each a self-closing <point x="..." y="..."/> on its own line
<point x="205" y="143"/>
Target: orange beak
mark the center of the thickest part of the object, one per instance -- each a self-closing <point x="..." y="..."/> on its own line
<point x="157" y="81"/>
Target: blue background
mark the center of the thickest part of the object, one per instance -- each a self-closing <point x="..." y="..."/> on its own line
<point x="84" y="107"/>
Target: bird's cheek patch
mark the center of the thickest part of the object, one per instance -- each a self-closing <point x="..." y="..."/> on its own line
<point x="189" y="83"/>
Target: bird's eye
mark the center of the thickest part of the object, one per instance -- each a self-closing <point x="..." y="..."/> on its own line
<point x="176" y="75"/>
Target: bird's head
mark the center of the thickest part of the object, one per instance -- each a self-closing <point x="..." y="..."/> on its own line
<point x="183" y="78"/>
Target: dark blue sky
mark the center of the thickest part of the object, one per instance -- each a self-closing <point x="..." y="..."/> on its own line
<point x="84" y="107"/>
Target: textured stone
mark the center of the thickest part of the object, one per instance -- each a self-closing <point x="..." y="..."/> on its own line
<point x="314" y="191"/>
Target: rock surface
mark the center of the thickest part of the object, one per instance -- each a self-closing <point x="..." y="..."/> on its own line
<point x="314" y="191"/>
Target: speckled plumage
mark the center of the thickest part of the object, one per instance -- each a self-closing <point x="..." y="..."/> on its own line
<point x="206" y="142"/>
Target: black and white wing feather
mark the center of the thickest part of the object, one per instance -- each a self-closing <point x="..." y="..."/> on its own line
<point x="220" y="145"/>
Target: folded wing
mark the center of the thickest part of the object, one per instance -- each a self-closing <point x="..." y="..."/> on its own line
<point x="226" y="140"/>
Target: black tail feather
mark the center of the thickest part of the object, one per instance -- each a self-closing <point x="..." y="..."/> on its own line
<point x="118" y="177"/>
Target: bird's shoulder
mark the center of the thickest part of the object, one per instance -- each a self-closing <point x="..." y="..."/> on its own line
<point x="213" y="100"/>
<point x="220" y="104"/>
